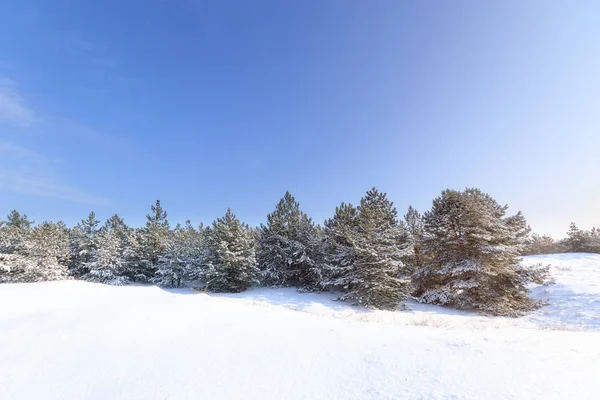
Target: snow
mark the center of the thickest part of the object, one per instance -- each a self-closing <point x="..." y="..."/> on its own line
<point x="574" y="301"/>
<point x="81" y="340"/>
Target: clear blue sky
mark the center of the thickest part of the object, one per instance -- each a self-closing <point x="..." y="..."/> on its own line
<point x="110" y="105"/>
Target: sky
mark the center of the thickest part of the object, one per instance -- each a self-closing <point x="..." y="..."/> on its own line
<point x="111" y="105"/>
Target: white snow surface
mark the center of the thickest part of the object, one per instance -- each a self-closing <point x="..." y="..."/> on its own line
<point x="79" y="340"/>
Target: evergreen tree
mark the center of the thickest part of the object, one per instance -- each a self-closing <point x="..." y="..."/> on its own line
<point x="84" y="245"/>
<point x="230" y="255"/>
<point x="116" y="261"/>
<point x="365" y="248"/>
<point x="46" y="254"/>
<point x="414" y="224"/>
<point x="14" y="234"/>
<point x="154" y="241"/>
<point x="593" y="241"/>
<point x="580" y="241"/>
<point x="16" y="220"/>
<point x="519" y="232"/>
<point x="575" y="239"/>
<point x="182" y="258"/>
<point x="288" y="252"/>
<point x="341" y="234"/>
<point x="474" y="252"/>
<point x="542" y="244"/>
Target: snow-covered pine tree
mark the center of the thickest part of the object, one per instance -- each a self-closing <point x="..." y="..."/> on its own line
<point x="153" y="241"/>
<point x="289" y="248"/>
<point x="106" y="267"/>
<point x="116" y="254"/>
<point x="519" y="232"/>
<point x="129" y="254"/>
<point x="16" y="228"/>
<point x="474" y="252"/>
<point x="13" y="236"/>
<point x="414" y="225"/>
<point x="47" y="253"/>
<point x="13" y="232"/>
<point x="339" y="252"/>
<point x="230" y="255"/>
<point x="370" y="248"/>
<point x="181" y="261"/>
<point x="83" y="240"/>
<point x="192" y="251"/>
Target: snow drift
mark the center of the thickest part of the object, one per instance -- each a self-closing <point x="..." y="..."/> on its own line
<point x="79" y="340"/>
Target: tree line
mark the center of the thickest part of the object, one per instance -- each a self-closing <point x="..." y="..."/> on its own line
<point x="576" y="241"/>
<point x="464" y="252"/>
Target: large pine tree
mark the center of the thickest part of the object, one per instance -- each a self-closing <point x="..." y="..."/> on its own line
<point x="365" y="247"/>
<point x="288" y="252"/>
<point x="474" y="255"/>
<point x="229" y="255"/>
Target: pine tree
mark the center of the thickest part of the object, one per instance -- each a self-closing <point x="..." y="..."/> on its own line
<point x="154" y="240"/>
<point x="116" y="261"/>
<point x="340" y="234"/>
<point x="474" y="252"/>
<point x="182" y="258"/>
<point x="84" y="245"/>
<point x="46" y="253"/>
<point x="520" y="232"/>
<point x="415" y="259"/>
<point x="365" y="248"/>
<point x="580" y="241"/>
<point x="542" y="244"/>
<point x="230" y="255"/>
<point x="575" y="239"/>
<point x="16" y="220"/>
<point x="14" y="234"/>
<point x="593" y="241"/>
<point x="288" y="252"/>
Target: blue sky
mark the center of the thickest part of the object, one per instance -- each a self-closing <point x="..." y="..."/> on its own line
<point x="110" y="105"/>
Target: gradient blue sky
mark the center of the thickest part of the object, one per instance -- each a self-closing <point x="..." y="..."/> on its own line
<point x="110" y="105"/>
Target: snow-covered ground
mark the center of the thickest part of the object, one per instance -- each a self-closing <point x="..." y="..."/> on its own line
<point x="78" y="340"/>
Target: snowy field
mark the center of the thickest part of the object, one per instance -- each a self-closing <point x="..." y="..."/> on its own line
<point x="78" y="340"/>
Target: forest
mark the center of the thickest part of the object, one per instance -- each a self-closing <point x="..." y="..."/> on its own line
<point x="464" y="252"/>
